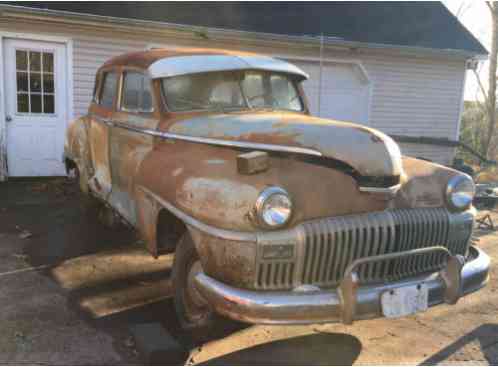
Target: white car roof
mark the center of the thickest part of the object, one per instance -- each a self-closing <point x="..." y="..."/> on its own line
<point x="181" y="65"/>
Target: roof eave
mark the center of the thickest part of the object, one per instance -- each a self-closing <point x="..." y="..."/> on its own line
<point x="14" y="11"/>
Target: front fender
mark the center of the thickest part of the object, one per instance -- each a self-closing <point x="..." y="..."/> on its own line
<point x="203" y="181"/>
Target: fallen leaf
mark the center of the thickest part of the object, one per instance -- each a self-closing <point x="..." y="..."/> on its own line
<point x="25" y="234"/>
<point x="20" y="256"/>
<point x="129" y="342"/>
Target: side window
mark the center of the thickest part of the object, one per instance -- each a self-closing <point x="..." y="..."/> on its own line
<point x="95" y="97"/>
<point x="285" y="93"/>
<point x="108" y="90"/>
<point x="137" y="95"/>
<point x="254" y="89"/>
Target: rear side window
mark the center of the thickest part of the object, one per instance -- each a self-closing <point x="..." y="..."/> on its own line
<point x="108" y="89"/>
<point x="137" y="96"/>
<point x="95" y="98"/>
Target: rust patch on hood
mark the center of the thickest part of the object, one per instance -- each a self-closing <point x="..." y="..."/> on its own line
<point x="368" y="151"/>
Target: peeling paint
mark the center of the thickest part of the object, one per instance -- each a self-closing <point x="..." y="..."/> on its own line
<point x="369" y="152"/>
<point x="177" y="172"/>
<point x="227" y="200"/>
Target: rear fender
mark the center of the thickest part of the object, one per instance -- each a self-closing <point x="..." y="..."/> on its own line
<point x="77" y="149"/>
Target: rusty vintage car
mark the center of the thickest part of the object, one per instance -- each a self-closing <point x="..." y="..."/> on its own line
<point x="274" y="216"/>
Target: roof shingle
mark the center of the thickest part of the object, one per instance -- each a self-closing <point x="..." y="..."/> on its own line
<point x="412" y="24"/>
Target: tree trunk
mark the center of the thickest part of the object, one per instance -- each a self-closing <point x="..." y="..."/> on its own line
<point x="489" y="148"/>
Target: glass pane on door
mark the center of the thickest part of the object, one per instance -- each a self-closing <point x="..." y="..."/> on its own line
<point x="35" y="82"/>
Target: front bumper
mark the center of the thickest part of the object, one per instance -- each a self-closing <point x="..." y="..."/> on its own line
<point x="350" y="301"/>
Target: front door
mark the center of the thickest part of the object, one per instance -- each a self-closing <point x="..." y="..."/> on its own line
<point x="35" y="107"/>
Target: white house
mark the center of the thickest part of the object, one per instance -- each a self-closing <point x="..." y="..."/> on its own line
<point x="397" y="67"/>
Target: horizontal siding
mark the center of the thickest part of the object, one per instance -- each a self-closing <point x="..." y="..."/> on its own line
<point x="414" y="97"/>
<point x="419" y="98"/>
<point x="89" y="53"/>
<point x="410" y="96"/>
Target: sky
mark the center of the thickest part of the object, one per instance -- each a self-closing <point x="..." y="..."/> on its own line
<point x="474" y="15"/>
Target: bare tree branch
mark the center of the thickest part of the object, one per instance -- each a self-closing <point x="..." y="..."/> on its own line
<point x="481" y="87"/>
<point x="464" y="6"/>
<point x="490" y="5"/>
<point x="493" y="58"/>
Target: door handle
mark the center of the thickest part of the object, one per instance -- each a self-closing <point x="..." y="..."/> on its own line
<point x="8" y="118"/>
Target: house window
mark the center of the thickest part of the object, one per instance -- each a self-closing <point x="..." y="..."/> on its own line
<point x="137" y="96"/>
<point x="109" y="89"/>
<point x="35" y="88"/>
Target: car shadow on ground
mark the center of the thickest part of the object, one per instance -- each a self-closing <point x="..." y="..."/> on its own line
<point x="333" y="349"/>
<point x="484" y="337"/>
<point x="113" y="284"/>
<point x="56" y="220"/>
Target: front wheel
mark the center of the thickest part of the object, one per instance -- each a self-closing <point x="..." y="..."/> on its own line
<point x="191" y="309"/>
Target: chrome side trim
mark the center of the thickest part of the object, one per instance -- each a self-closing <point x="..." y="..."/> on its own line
<point x="381" y="190"/>
<point x="101" y="120"/>
<point x="289" y="307"/>
<point x="190" y="221"/>
<point x="219" y="142"/>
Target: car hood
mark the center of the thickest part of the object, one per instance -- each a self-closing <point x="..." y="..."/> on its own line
<point x="368" y="151"/>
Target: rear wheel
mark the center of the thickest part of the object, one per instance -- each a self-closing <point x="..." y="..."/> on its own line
<point x="192" y="310"/>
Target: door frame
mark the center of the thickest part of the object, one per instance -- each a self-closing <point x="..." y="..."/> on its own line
<point x="68" y="42"/>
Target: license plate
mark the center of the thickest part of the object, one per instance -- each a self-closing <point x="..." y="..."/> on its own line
<point x="405" y="300"/>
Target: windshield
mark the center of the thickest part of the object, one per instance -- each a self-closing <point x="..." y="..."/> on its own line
<point x="231" y="90"/>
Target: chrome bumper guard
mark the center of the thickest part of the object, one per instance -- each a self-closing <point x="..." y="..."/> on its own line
<point x="350" y="301"/>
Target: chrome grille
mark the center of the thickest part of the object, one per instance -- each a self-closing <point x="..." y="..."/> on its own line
<point x="327" y="246"/>
<point x="275" y="275"/>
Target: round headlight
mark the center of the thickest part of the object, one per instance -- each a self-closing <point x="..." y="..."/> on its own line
<point x="460" y="192"/>
<point x="273" y="207"/>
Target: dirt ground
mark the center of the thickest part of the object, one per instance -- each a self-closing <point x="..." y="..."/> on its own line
<point x="72" y="292"/>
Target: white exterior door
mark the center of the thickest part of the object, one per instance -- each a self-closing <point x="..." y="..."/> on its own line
<point x="35" y="107"/>
<point x="345" y="91"/>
